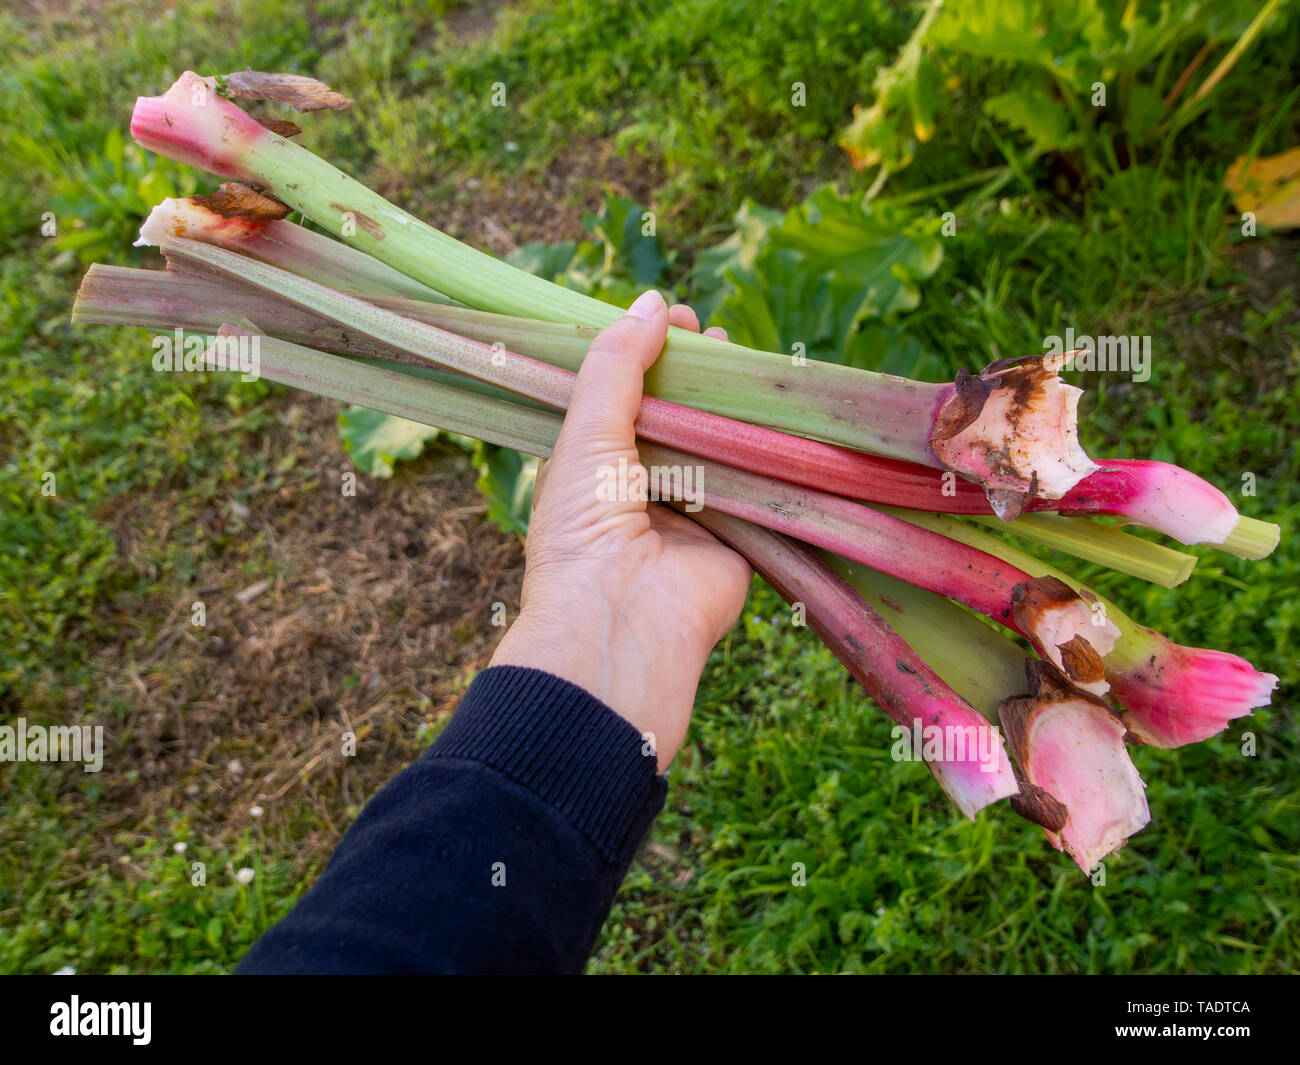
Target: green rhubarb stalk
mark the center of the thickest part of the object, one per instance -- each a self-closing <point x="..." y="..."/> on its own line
<point x="980" y="663"/>
<point x="1252" y="539"/>
<point x="165" y="300"/>
<point x="182" y="298"/>
<point x="221" y="138"/>
<point x="1157" y="495"/>
<point x="1112" y="548"/>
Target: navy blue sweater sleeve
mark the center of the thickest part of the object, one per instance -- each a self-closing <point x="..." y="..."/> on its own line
<point x="498" y="850"/>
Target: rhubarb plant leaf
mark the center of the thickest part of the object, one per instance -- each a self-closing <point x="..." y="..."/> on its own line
<point x="377" y="441"/>
<point x="826" y="271"/>
<point x="624" y="258"/>
<point x="884" y="252"/>
<point x="630" y="236"/>
<point x="780" y="305"/>
<point x="506" y="480"/>
<point x="708" y="278"/>
<point x="1034" y="113"/>
<point x="545" y="260"/>
<point x="1065" y="40"/>
<point x="892" y="349"/>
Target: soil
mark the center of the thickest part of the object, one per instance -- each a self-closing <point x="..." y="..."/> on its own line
<point x="498" y="212"/>
<point x="379" y="610"/>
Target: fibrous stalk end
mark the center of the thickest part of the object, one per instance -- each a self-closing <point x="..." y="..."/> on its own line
<point x="1014" y="430"/>
<point x="1070" y="746"/>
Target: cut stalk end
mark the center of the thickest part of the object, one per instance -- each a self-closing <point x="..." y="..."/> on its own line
<point x="1015" y="430"/>
<point x="192" y="124"/>
<point x="1252" y="539"/>
<point x="1070" y="746"/>
<point x="1070" y="629"/>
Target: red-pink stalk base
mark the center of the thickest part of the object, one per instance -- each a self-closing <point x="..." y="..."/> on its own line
<point x="1174" y="695"/>
<point x="192" y="124"/>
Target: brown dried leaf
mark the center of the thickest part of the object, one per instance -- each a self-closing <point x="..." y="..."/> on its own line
<point x="299" y="92"/>
<point x="282" y="126"/>
<point x="1040" y="806"/>
<point x="233" y="200"/>
<point x="963" y="407"/>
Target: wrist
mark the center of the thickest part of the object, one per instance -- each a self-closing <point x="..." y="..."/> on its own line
<point x="647" y="684"/>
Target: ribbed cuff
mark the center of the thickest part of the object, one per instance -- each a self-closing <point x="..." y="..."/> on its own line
<point x="563" y="744"/>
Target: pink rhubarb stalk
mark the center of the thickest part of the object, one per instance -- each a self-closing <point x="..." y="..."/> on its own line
<point x="973" y="770"/>
<point x="1157" y="495"/>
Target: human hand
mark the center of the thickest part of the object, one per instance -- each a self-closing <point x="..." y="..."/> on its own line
<point x="622" y="597"/>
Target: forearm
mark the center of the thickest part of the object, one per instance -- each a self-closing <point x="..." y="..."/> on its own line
<point x="500" y="849"/>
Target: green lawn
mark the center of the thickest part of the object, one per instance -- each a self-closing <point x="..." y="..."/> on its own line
<point x="687" y="107"/>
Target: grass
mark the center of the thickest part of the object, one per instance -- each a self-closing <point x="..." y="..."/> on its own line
<point x="786" y="775"/>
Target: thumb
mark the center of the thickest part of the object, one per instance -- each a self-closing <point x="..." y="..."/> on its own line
<point x="607" y="395"/>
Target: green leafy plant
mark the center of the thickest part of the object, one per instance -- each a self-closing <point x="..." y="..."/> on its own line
<point x="376" y="442"/>
<point x="623" y="257"/>
<point x="1096" y="81"/>
<point x="831" y="280"/>
<point x="99" y="201"/>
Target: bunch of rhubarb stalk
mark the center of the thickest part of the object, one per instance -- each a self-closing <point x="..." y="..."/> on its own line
<point x="838" y="485"/>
